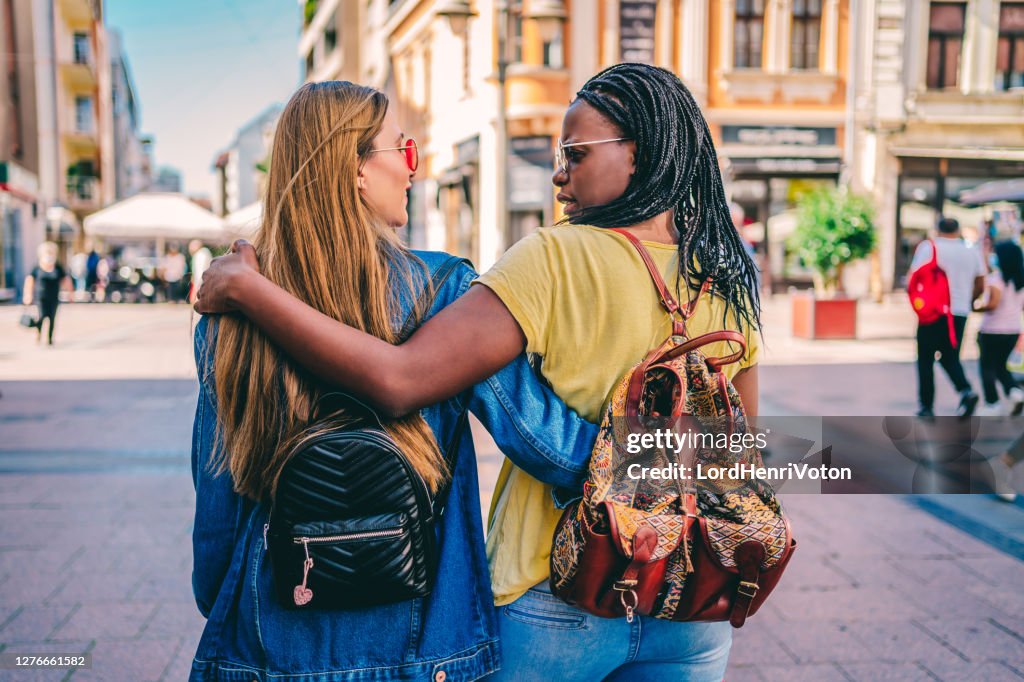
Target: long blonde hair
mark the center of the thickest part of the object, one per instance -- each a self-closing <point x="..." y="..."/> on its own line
<point x="319" y="241"/>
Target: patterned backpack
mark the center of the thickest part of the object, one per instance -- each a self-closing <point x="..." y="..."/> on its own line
<point x="631" y="546"/>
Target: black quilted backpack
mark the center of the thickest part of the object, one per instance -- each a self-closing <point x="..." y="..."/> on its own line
<point x="352" y="523"/>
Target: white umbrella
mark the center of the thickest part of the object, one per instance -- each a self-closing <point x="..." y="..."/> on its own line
<point x="245" y="221"/>
<point x="156" y="216"/>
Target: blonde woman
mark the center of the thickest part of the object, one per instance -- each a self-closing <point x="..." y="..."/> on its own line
<point x="335" y="193"/>
<point x="43" y="285"/>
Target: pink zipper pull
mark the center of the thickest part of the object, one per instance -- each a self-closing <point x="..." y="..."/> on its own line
<point x="302" y="594"/>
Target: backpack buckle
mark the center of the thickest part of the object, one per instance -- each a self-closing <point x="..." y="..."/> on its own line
<point x="747" y="589"/>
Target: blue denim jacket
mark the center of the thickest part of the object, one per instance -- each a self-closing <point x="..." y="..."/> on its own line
<point x="248" y="636"/>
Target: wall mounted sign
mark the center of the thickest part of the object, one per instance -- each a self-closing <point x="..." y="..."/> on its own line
<point x="636" y="30"/>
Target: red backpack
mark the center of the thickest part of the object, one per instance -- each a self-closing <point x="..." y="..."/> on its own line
<point x="928" y="289"/>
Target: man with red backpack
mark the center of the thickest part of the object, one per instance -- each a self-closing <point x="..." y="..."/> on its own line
<point x="947" y="274"/>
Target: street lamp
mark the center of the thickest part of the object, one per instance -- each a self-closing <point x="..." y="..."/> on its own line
<point x="549" y="16"/>
<point x="458" y="13"/>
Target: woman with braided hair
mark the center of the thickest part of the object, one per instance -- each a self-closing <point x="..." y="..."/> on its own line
<point x="635" y="153"/>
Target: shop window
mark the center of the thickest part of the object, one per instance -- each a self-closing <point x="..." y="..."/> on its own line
<point x="805" y="39"/>
<point x="1010" y="50"/>
<point x="748" y="34"/>
<point x="945" y="40"/>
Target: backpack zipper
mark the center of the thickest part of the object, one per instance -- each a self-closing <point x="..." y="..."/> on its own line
<point x="386" y="533"/>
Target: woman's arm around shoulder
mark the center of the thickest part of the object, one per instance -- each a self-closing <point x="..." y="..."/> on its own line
<point x="462" y="345"/>
<point x="530" y="424"/>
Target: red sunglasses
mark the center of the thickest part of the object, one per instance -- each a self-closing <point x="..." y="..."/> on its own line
<point x="412" y="153"/>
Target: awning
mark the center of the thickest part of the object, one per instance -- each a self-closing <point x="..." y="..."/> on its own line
<point x="156" y="215"/>
<point x="983" y="153"/>
<point x="245" y="221"/>
<point x="991" y="192"/>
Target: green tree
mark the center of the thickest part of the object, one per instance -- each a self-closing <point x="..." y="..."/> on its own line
<point x="834" y="228"/>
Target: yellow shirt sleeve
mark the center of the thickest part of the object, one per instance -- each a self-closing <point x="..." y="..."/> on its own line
<point x="753" y="354"/>
<point x="525" y="279"/>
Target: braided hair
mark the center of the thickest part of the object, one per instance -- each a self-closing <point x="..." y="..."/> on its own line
<point x="676" y="169"/>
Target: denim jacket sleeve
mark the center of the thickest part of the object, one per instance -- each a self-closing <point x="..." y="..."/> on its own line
<point x="530" y="424"/>
<point x="219" y="509"/>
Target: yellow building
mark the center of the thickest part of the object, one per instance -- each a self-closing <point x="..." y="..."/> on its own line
<point x="83" y="107"/>
<point x="770" y="76"/>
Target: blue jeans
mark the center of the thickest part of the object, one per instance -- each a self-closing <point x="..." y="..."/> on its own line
<point x="543" y="638"/>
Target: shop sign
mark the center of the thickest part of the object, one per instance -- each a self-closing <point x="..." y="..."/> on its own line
<point x="776" y="166"/>
<point x="774" y="136"/>
<point x="530" y="166"/>
<point x="636" y="30"/>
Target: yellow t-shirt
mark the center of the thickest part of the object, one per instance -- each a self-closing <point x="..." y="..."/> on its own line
<point x="587" y="305"/>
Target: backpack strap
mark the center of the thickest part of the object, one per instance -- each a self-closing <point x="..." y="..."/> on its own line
<point x="678" y="314"/>
<point x="451" y="451"/>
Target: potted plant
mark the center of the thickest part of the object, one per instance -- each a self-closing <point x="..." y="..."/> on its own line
<point x="835" y="227"/>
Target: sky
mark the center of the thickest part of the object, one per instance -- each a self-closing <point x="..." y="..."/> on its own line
<point x="202" y="69"/>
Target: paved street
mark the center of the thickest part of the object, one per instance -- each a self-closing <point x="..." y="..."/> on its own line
<point x="97" y="504"/>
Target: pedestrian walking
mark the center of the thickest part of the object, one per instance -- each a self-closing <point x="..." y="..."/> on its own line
<point x="335" y="198"/>
<point x="200" y="261"/>
<point x="738" y="216"/>
<point x="1002" y="306"/>
<point x="172" y="273"/>
<point x="965" y="272"/>
<point x="42" y="287"/>
<point x="92" y="278"/>
<point x="1002" y="468"/>
<point x="635" y="153"/>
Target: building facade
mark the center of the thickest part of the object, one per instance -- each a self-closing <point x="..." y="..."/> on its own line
<point x="911" y="101"/>
<point x="132" y="170"/>
<point x="446" y="81"/>
<point x="70" y="141"/>
<point x="940" y="112"/>
<point x="241" y="168"/>
<point x="57" y="143"/>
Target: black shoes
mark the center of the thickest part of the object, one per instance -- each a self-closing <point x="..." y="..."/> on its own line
<point x="968" y="401"/>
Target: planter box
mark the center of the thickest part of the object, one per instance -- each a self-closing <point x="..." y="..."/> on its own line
<point x="824" y="319"/>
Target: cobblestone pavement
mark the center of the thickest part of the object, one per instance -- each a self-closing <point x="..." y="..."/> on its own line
<point x="97" y="503"/>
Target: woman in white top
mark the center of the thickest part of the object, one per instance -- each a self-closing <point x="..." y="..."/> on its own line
<point x="1000" y="327"/>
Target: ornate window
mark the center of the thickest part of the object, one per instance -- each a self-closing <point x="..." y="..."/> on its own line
<point x="945" y="43"/>
<point x="1010" y="50"/>
<point x="806" y="36"/>
<point x="748" y="34"/>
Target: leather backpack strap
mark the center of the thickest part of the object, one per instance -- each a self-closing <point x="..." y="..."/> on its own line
<point x="678" y="313"/>
<point x="749" y="556"/>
